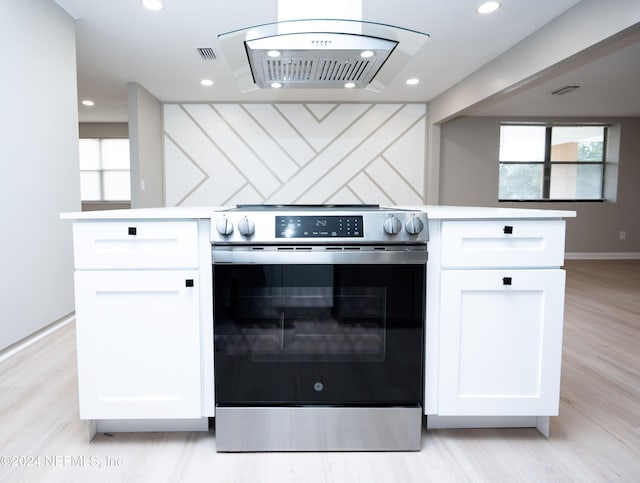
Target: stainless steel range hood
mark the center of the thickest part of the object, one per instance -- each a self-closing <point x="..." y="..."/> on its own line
<point x="318" y="60"/>
<point x="320" y="54"/>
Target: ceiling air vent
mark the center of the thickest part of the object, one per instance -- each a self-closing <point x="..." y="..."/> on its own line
<point x="206" y="53"/>
<point x="563" y="90"/>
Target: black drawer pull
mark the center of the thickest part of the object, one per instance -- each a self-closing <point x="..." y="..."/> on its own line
<point x="188" y="282"/>
<point x="506" y="280"/>
<point x="132" y="230"/>
<point x="508" y="229"/>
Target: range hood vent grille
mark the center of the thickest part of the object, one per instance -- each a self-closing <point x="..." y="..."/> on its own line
<point x="292" y="70"/>
<point x="309" y="70"/>
<point x="317" y="59"/>
<point x="343" y="71"/>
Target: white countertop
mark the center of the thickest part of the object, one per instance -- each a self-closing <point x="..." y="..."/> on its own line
<point x="169" y="213"/>
<point x="441" y="212"/>
<point x="434" y="212"/>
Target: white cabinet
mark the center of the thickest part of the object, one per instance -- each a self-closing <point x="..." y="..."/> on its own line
<point x="500" y="317"/>
<point x="138" y="319"/>
<point x="501" y="342"/>
<point x="135" y="244"/>
<point x="502" y="243"/>
<point x="138" y="344"/>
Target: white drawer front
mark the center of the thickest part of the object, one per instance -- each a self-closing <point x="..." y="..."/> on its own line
<point x="503" y="243"/>
<point x="136" y="244"/>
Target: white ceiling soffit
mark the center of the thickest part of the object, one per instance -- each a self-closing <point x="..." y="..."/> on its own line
<point x="608" y="78"/>
<point x="317" y="53"/>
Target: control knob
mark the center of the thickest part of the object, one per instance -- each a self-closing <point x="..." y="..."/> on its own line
<point x="246" y="227"/>
<point x="224" y="226"/>
<point x="414" y="225"/>
<point x="392" y="225"/>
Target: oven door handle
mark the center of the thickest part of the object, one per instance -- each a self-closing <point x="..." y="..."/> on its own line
<point x="400" y="255"/>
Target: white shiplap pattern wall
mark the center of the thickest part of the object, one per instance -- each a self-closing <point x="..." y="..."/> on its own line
<point x="223" y="154"/>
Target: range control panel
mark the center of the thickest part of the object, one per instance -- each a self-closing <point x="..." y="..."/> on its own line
<point x="290" y="226"/>
<point x="319" y="226"/>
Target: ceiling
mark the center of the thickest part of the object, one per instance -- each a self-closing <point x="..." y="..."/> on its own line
<point x="608" y="83"/>
<point x="119" y="42"/>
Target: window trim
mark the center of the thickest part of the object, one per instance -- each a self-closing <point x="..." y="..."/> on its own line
<point x="547" y="164"/>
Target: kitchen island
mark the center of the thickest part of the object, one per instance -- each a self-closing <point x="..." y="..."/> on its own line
<point x="493" y="334"/>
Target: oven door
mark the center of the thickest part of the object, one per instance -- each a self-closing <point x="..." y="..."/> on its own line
<point x="318" y="333"/>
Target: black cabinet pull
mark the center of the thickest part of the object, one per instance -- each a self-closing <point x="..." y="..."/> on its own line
<point x="508" y="229"/>
<point x="132" y="230"/>
<point x="188" y="282"/>
<point x="506" y="280"/>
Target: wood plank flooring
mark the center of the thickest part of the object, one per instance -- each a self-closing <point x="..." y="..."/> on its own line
<point x="596" y="438"/>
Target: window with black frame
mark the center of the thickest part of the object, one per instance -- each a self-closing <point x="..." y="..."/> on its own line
<point x="552" y="163"/>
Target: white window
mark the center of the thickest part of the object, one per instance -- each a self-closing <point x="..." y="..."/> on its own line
<point x="104" y="170"/>
<point x="558" y="163"/>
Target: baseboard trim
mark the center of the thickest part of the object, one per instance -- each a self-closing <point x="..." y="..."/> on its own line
<point x="602" y="256"/>
<point x="453" y="422"/>
<point x="146" y="425"/>
<point x="22" y="344"/>
<point x="541" y="423"/>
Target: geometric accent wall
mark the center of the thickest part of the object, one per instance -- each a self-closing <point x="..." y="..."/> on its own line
<point x="223" y="154"/>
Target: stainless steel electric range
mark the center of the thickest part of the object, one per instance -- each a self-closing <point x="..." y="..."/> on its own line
<point x="319" y="318"/>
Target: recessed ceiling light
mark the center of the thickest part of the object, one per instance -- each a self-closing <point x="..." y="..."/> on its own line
<point x="154" y="5"/>
<point x="276" y="85"/>
<point x="413" y="81"/>
<point x="206" y="82"/>
<point x="488" y="7"/>
<point x="350" y="85"/>
<point x="273" y="53"/>
<point x="88" y="103"/>
<point x="365" y="54"/>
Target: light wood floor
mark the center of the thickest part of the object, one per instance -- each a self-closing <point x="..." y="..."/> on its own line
<point x="595" y="438"/>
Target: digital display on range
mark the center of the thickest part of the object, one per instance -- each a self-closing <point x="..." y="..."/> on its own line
<point x="318" y="226"/>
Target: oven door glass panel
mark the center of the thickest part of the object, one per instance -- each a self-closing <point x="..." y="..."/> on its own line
<point x="305" y="324"/>
<point x="307" y="334"/>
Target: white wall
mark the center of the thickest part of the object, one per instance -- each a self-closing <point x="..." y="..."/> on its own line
<point x="104" y="130"/>
<point x="145" y="145"/>
<point x="222" y="154"/>
<point x="39" y="175"/>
